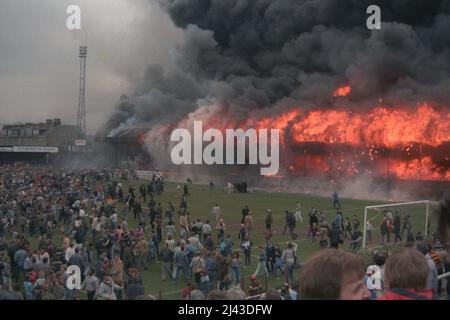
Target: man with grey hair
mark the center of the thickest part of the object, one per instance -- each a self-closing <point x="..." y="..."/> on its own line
<point x="107" y="289"/>
<point x="194" y="240"/>
<point x="235" y="293"/>
<point x="215" y="211"/>
<point x="197" y="295"/>
<point x="271" y="294"/>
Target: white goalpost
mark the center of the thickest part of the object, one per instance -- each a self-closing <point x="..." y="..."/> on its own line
<point x="427" y="213"/>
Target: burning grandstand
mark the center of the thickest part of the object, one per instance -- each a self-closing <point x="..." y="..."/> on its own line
<point x="349" y="102"/>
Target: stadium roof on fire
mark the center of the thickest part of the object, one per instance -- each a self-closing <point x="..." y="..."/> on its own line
<point x="132" y="132"/>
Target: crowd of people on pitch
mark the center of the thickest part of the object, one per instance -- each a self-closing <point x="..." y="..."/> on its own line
<point x="60" y="224"/>
<point x="409" y="272"/>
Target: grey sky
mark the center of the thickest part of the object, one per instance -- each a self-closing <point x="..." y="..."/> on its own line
<point x="39" y="66"/>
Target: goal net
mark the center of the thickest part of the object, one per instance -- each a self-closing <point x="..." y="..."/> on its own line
<point x="415" y="216"/>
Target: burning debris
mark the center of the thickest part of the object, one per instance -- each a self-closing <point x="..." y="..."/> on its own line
<point x="342" y="91"/>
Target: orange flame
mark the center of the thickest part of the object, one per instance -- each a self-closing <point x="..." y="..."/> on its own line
<point x="342" y="91"/>
<point x="381" y="126"/>
<point x="417" y="169"/>
<point x="369" y="132"/>
<point x="141" y="138"/>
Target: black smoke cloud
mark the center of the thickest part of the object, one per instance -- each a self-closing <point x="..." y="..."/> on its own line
<point x="246" y="55"/>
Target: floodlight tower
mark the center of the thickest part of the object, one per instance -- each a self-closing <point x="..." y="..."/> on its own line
<point x="81" y="122"/>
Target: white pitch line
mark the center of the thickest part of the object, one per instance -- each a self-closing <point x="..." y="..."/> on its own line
<point x="170" y="292"/>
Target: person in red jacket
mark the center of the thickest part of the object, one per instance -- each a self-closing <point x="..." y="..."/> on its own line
<point x="405" y="276"/>
<point x="254" y="288"/>
<point x="186" y="292"/>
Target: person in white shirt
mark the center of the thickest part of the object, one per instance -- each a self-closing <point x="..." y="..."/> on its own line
<point x="216" y="212"/>
<point x="96" y="227"/>
<point x="114" y="219"/>
<point x="389" y="214"/>
<point x="107" y="289"/>
<point x="77" y="223"/>
<point x="70" y="251"/>
<point x="76" y="204"/>
<point x="43" y="254"/>
<point x="206" y="230"/>
<point x="369" y="228"/>
<point x="298" y="212"/>
<point x="290" y="259"/>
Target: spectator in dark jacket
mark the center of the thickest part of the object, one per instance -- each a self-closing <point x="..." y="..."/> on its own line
<point x="19" y="259"/>
<point x="91" y="284"/>
<point x="397" y="227"/>
<point x="134" y="289"/>
<point x="78" y="260"/>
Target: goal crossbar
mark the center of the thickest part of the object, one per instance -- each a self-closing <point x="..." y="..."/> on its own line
<point x="367" y="208"/>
